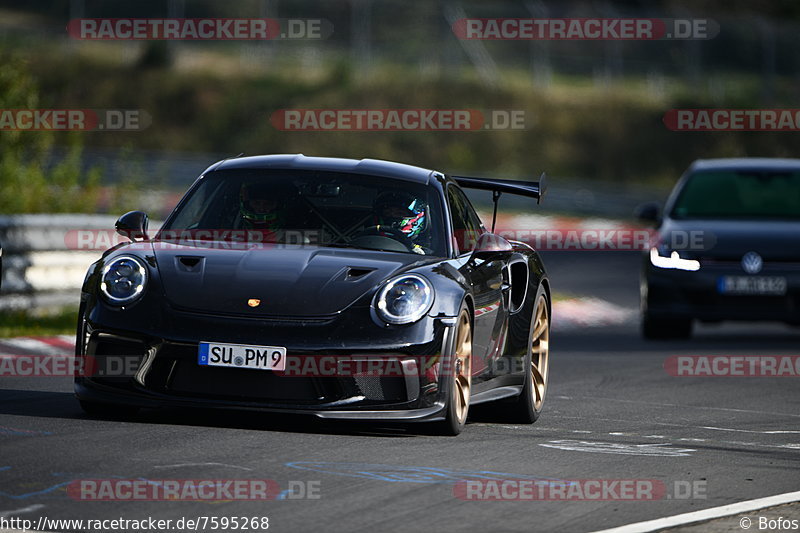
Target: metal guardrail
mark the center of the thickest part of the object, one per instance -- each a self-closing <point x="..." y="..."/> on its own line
<point x="40" y="267"/>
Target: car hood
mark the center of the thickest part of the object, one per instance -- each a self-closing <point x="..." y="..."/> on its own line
<point x="776" y="240"/>
<point x="299" y="281"/>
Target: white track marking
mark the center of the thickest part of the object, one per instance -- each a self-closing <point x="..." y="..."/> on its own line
<point x="705" y="514"/>
<point x="647" y="450"/>
<point x="202" y="464"/>
<point x="790" y="446"/>
<point x="684" y="426"/>
<point x="774" y="432"/>
<point x="29" y="509"/>
<point x="696" y="407"/>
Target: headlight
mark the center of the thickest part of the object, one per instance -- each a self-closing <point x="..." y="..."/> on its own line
<point x="404" y="299"/>
<point x="123" y="280"/>
<point x="673" y="260"/>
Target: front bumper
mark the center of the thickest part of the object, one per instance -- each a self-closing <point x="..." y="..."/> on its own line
<point x="670" y="293"/>
<point x="136" y="368"/>
<point x="88" y="391"/>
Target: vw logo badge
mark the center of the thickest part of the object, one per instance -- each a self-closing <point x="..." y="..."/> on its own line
<point x="752" y="263"/>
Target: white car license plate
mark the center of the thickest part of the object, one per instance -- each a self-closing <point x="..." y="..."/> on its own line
<point x="242" y="356"/>
<point x="752" y="285"/>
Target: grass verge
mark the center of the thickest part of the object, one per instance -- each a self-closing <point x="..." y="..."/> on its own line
<point x="25" y="323"/>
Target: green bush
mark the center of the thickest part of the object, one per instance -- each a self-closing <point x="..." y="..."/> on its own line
<point x="31" y="179"/>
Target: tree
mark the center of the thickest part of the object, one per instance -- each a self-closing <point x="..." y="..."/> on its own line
<point x="34" y="176"/>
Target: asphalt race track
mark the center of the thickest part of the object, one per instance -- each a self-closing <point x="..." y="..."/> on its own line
<point x="612" y="413"/>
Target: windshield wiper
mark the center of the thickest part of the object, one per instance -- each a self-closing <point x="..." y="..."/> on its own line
<point x="339" y="245"/>
<point x="349" y="245"/>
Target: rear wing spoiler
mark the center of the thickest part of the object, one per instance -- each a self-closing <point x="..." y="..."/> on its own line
<point x="531" y="189"/>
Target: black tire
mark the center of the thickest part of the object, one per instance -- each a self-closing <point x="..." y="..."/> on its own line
<point x="529" y="404"/>
<point x="107" y="410"/>
<point x="459" y="379"/>
<point x="656" y="328"/>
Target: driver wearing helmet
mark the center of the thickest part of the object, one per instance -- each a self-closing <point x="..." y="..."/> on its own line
<point x="258" y="207"/>
<point x="404" y="213"/>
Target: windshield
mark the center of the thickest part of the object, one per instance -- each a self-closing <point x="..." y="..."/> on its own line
<point x="314" y="208"/>
<point x="740" y="194"/>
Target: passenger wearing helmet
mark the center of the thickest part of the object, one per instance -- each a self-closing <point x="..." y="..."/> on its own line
<point x="259" y="209"/>
<point x="404" y="213"/>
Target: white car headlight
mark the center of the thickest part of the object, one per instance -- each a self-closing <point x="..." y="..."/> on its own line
<point x="123" y="279"/>
<point x="673" y="260"/>
<point x="404" y="299"/>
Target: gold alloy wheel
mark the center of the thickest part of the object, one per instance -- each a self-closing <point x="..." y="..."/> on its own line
<point x="463" y="371"/>
<point x="540" y="353"/>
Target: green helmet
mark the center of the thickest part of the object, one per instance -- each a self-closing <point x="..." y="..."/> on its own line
<point x="258" y="205"/>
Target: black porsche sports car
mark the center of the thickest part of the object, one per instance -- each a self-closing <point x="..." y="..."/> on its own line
<point x="728" y="247"/>
<point x="334" y="287"/>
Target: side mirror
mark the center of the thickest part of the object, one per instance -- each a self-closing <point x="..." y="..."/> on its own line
<point x="133" y="225"/>
<point x="649" y="212"/>
<point x="491" y="246"/>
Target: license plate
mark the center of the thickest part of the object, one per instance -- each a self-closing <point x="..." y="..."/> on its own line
<point x="242" y="356"/>
<point x="755" y="285"/>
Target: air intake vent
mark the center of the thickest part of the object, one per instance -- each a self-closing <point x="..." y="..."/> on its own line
<point x="354" y="273"/>
<point x="188" y="263"/>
